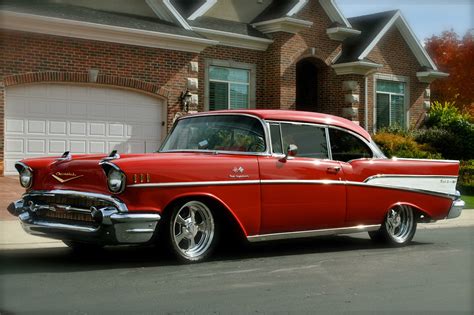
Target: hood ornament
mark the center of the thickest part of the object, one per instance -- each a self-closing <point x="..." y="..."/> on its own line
<point x="65" y="177"/>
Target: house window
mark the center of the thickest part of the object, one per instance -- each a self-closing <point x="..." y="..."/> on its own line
<point x="390" y="103"/>
<point x="229" y="88"/>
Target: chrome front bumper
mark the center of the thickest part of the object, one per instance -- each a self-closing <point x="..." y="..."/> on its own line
<point x="456" y="209"/>
<point x="108" y="223"/>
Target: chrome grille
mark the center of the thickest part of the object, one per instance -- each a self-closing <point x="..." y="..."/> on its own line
<point x="63" y="207"/>
<point x="82" y="202"/>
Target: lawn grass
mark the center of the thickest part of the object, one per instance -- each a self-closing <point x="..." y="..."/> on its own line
<point x="469" y="201"/>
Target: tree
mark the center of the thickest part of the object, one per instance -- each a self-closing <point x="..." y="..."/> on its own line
<point x="456" y="57"/>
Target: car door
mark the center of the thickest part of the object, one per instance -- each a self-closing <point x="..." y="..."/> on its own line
<point x="304" y="192"/>
<point x="356" y="158"/>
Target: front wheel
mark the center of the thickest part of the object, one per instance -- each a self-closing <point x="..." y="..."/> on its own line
<point x="398" y="228"/>
<point x="192" y="231"/>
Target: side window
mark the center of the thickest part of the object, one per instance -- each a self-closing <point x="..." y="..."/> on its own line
<point x="276" y="138"/>
<point x="346" y="147"/>
<point x="310" y="140"/>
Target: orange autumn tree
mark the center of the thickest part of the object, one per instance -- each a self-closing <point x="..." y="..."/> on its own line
<point x="455" y="56"/>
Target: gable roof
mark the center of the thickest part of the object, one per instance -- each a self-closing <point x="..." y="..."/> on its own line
<point x="370" y="26"/>
<point x="373" y="28"/>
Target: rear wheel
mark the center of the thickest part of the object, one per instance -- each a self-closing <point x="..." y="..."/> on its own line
<point x="399" y="227"/>
<point x="192" y="231"/>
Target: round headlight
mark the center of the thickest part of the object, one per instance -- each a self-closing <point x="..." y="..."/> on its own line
<point x="26" y="177"/>
<point x="116" y="181"/>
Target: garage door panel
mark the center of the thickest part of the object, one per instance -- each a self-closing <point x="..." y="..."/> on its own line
<point x="97" y="147"/>
<point x="48" y="119"/>
<point x="57" y="108"/>
<point x="57" y="128"/>
<point x="55" y="91"/>
<point x="36" y="127"/>
<point x="37" y="107"/>
<point x="14" y="145"/>
<point x="78" y="146"/>
<point x="151" y="132"/>
<point x="17" y="107"/>
<point x="36" y="146"/>
<point x="135" y="146"/>
<point x="78" y="128"/>
<point x="116" y="113"/>
<point x="58" y="146"/>
<point x="15" y="126"/>
<point x="97" y="129"/>
<point x="77" y="109"/>
<point x="97" y="111"/>
<point x="116" y="130"/>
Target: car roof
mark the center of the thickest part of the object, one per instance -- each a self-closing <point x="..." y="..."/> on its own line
<point x="297" y="116"/>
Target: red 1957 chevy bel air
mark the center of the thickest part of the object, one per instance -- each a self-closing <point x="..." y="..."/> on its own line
<point x="270" y="174"/>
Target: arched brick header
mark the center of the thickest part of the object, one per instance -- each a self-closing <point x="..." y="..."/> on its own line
<point x="76" y="77"/>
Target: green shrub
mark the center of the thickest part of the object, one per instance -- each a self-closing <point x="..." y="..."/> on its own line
<point x="466" y="177"/>
<point x="403" y="146"/>
<point x="445" y="115"/>
<point x="441" y="140"/>
<point x="449" y="131"/>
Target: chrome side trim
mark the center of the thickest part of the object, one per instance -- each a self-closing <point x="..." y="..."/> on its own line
<point x="194" y="184"/>
<point x="305" y="181"/>
<point x="312" y="233"/>
<point x="407" y="176"/>
<point x="425" y="160"/>
<point x="118" y="203"/>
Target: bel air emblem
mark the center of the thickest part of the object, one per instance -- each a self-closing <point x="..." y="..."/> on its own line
<point x="65" y="177"/>
<point x="238" y="172"/>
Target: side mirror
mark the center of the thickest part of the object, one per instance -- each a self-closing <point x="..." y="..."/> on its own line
<point x="291" y="151"/>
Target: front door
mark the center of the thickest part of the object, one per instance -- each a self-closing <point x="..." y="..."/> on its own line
<point x="304" y="192"/>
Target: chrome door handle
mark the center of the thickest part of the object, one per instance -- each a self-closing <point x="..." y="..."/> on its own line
<point x="333" y="170"/>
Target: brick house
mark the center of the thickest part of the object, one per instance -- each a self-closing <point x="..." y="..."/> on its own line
<point x="92" y="76"/>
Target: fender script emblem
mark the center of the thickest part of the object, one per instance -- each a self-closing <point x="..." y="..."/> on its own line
<point x="65" y="180"/>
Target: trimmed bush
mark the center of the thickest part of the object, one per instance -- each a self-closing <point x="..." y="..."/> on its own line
<point x="403" y="146"/>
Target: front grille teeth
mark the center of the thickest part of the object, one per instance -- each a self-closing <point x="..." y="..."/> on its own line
<point x="65" y="208"/>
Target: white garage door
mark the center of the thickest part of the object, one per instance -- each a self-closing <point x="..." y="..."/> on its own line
<point x="48" y="119"/>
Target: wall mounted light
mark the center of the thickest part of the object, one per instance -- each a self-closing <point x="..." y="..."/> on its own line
<point x="93" y="75"/>
<point x="185" y="99"/>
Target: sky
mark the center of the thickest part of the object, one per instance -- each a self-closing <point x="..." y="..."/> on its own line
<point x="426" y="17"/>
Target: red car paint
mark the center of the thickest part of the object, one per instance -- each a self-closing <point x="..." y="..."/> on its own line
<point x="259" y="205"/>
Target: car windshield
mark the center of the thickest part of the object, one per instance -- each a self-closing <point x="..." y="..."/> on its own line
<point x="232" y="133"/>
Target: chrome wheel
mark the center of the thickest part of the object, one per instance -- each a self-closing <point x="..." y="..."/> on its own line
<point x="400" y="223"/>
<point x="192" y="230"/>
<point x="398" y="228"/>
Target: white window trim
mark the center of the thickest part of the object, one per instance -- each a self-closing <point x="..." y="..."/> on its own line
<point x="395" y="78"/>
<point x="252" y="68"/>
